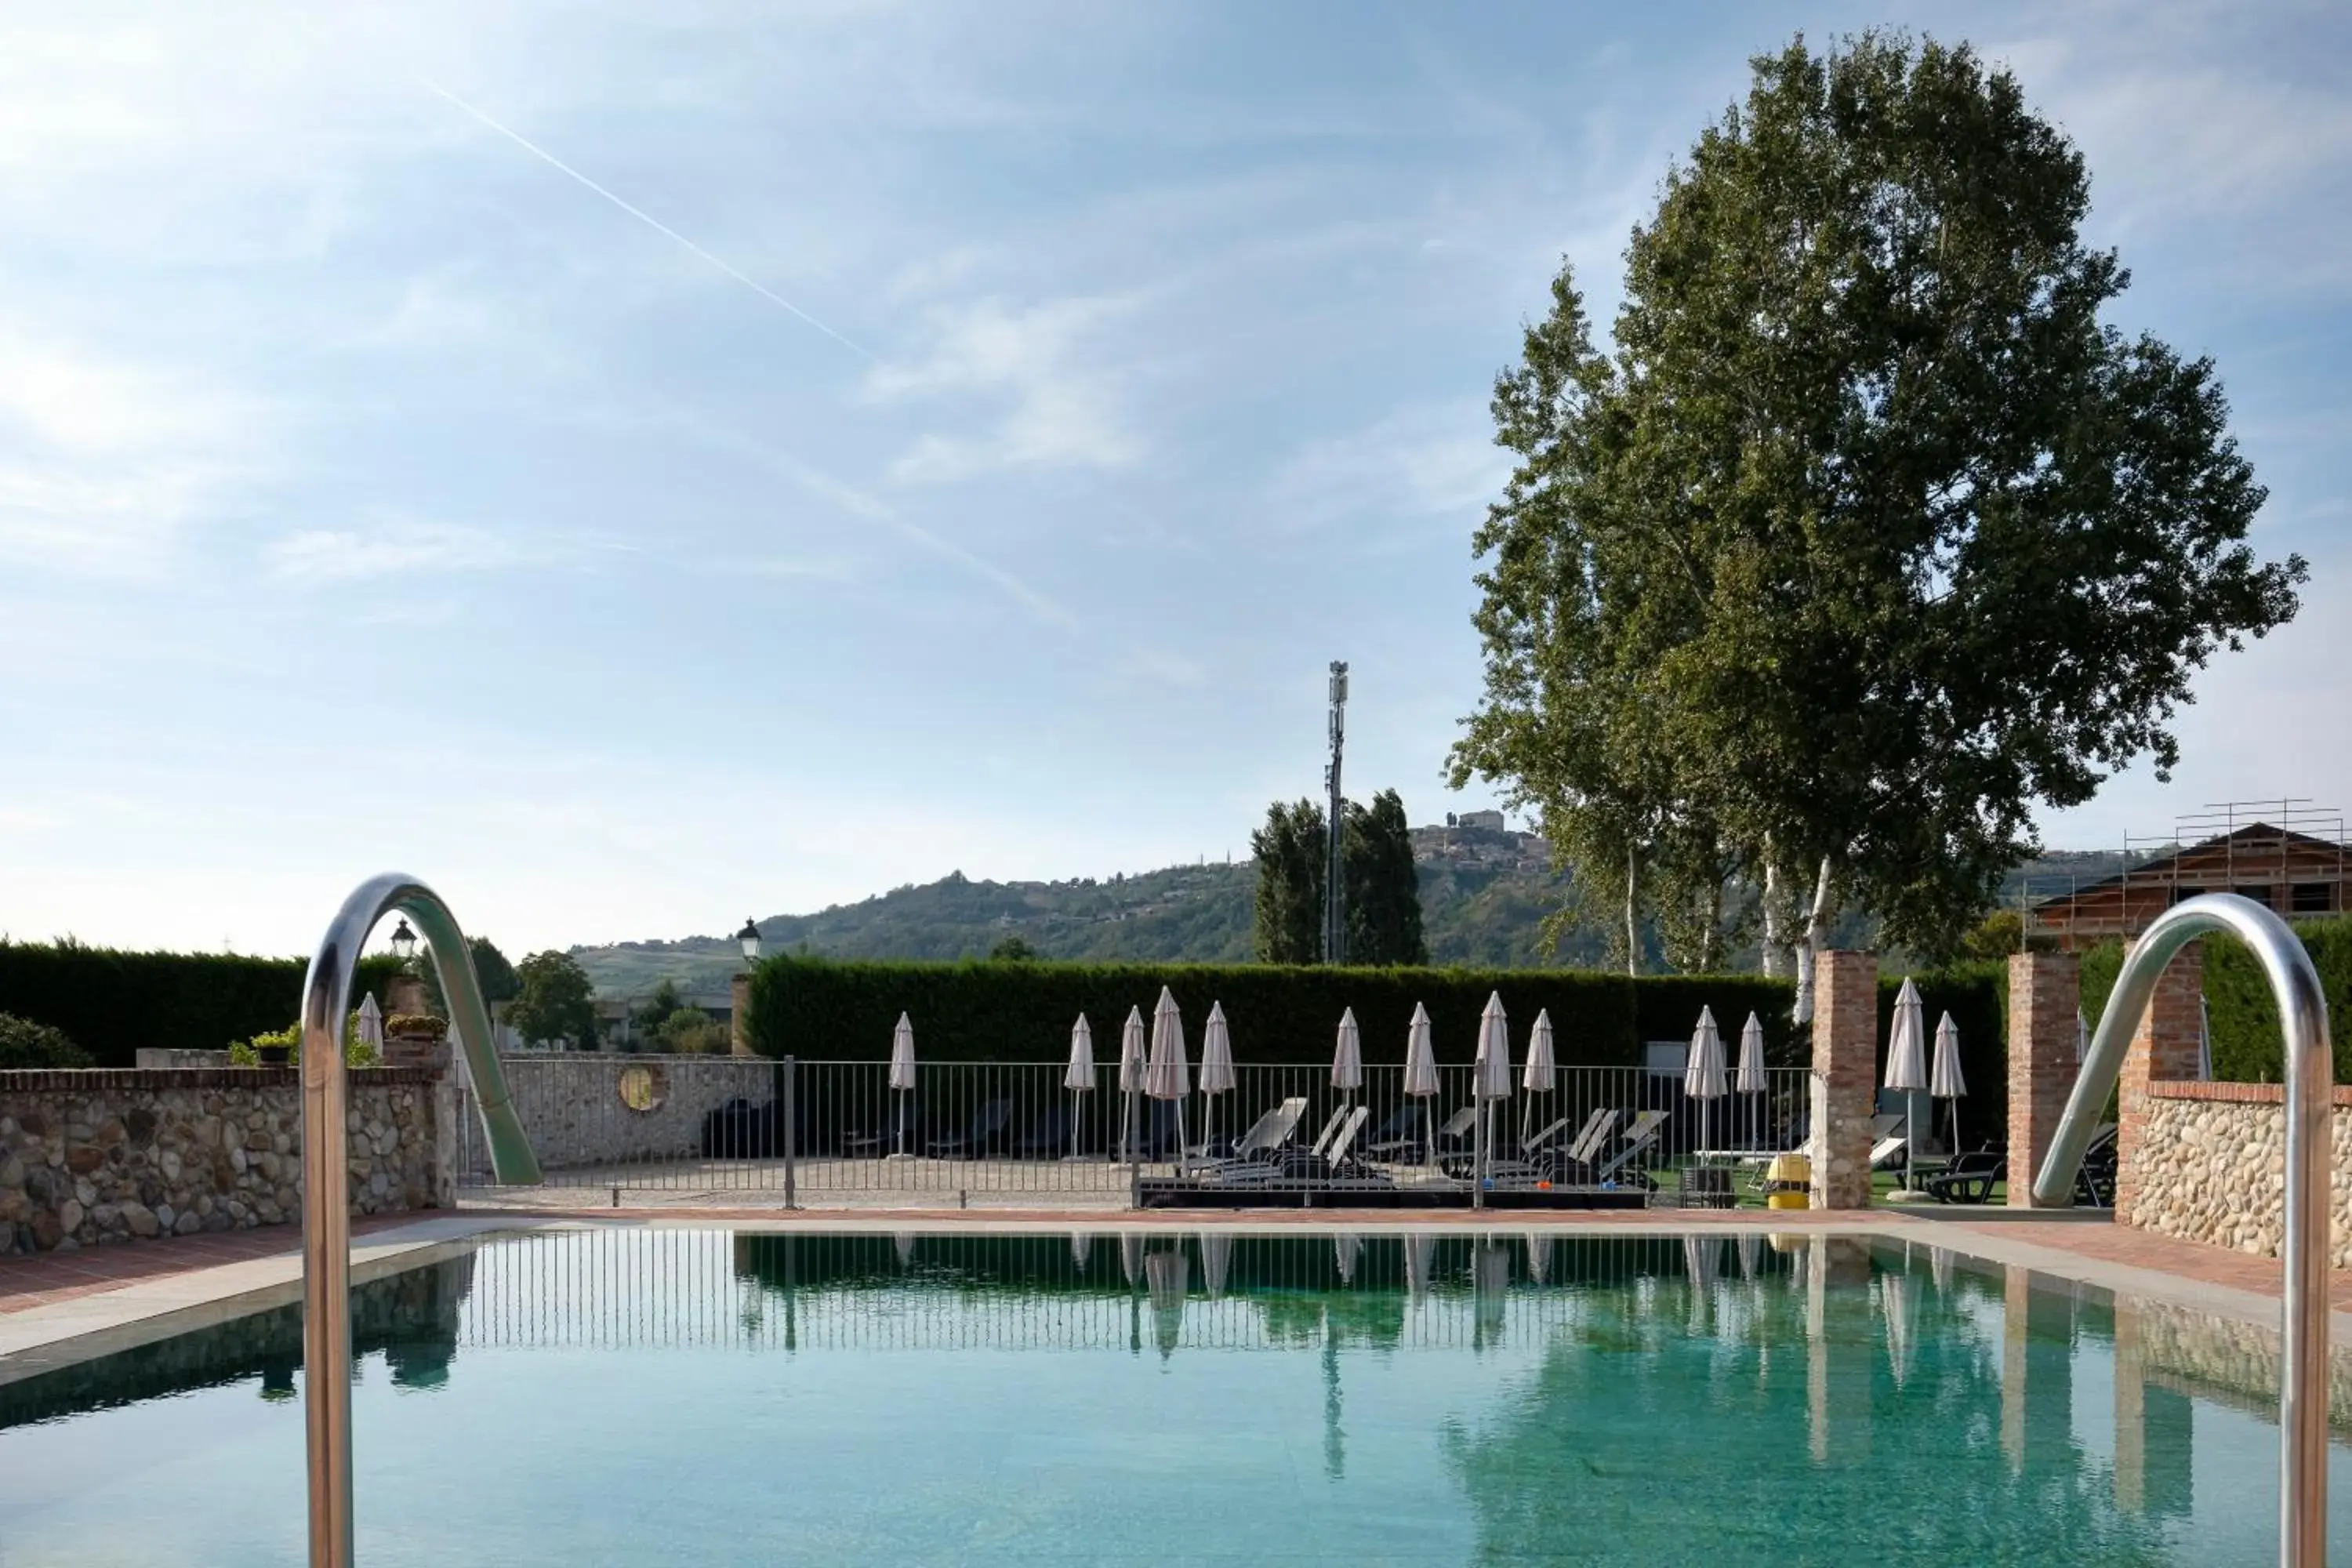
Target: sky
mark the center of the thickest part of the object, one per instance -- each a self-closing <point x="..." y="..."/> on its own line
<point x="640" y="466"/>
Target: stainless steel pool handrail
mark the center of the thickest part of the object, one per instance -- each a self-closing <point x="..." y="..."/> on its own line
<point x="326" y="1177"/>
<point x="2310" y="1115"/>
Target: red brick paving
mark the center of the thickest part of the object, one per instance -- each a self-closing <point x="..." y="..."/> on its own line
<point x="52" y="1276"/>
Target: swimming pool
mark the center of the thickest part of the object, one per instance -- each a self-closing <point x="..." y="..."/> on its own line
<point x="633" y="1395"/>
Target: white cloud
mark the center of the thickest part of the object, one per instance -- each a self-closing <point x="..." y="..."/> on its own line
<point x="1043" y="367"/>
<point x="1429" y="461"/>
<point x="102" y="461"/>
<point x="318" y="555"/>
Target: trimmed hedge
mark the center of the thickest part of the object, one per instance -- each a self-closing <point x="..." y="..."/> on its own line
<point x="113" y="1004"/>
<point x="1977" y="996"/>
<point x="2245" y="1021"/>
<point x="844" y="1011"/>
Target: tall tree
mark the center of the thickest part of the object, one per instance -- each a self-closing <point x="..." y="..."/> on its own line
<point x="554" y="1001"/>
<point x="1884" y="536"/>
<point x="491" y="967"/>
<point x="1291" y="878"/>
<point x="1384" y="888"/>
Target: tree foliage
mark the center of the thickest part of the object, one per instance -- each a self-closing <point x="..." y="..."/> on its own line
<point x="1292" y="874"/>
<point x="1012" y="950"/>
<point x="497" y="978"/>
<point x="1383" y="889"/>
<point x="554" y="1001"/>
<point x="1871" y="537"/>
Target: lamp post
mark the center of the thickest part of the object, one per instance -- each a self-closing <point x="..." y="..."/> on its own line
<point x="738" y="995"/>
<point x="403" y="943"/>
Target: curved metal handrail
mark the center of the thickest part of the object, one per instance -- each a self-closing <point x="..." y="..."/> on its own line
<point x="326" y="1176"/>
<point x="2310" y="1114"/>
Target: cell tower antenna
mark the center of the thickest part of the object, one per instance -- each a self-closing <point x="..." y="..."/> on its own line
<point x="1335" y="878"/>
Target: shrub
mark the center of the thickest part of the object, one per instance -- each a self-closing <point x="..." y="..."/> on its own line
<point x="689" y="1031"/>
<point x="424" y="1024"/>
<point x="25" y="1044"/>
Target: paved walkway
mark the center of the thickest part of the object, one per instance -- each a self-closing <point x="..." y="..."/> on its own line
<point x="50" y="1278"/>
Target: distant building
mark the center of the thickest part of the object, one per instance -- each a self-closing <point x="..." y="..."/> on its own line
<point x="2291" y="872"/>
<point x="1492" y="821"/>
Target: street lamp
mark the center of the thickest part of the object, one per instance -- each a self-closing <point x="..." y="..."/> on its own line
<point x="404" y="943"/>
<point x="750" y="937"/>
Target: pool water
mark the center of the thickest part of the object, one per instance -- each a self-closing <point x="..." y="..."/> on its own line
<point x="704" y="1397"/>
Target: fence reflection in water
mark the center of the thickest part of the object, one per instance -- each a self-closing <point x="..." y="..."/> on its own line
<point x="1103" y="1289"/>
<point x="758" y="1131"/>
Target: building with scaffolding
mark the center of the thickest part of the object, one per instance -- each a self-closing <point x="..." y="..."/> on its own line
<point x="2287" y="854"/>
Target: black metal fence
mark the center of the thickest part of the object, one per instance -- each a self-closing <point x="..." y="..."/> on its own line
<point x="718" y="1129"/>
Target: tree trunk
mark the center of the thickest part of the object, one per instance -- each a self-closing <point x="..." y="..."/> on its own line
<point x="1632" y="911"/>
<point x="1816" y="933"/>
<point x="1711" y="950"/>
<point x="1773" y="949"/>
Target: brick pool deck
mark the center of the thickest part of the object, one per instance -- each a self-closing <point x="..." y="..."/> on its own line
<point x="27" y="1284"/>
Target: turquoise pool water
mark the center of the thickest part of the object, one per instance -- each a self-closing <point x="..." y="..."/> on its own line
<point x="704" y="1397"/>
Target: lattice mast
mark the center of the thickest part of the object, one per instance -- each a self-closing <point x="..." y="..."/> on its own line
<point x="1335" y="878"/>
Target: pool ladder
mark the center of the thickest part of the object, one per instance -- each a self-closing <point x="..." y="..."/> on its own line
<point x="2310" y="1124"/>
<point x="326" y="1176"/>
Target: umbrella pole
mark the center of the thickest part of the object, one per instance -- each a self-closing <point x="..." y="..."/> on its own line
<point x="1074" y="1124"/>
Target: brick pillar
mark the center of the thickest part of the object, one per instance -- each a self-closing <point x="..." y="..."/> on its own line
<point x="404" y="994"/>
<point x="739" y="1016"/>
<point x="2164" y="1047"/>
<point x="1845" y="1077"/>
<point x="2045" y="991"/>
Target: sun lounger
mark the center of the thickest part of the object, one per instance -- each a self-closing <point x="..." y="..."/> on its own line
<point x="1267" y="1134"/>
<point x="987" y="1126"/>
<point x="1048" y="1136"/>
<point x="1399" y="1135"/>
<point x="1592" y="1171"/>
<point x="896" y="1132"/>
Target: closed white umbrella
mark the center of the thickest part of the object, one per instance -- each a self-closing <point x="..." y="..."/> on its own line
<point x="1168" y="1071"/>
<point x="1702" y="1257"/>
<point x="1081" y="1246"/>
<point x="1216" y="1069"/>
<point x="1130" y="1075"/>
<point x="1702" y="1074"/>
<point x="2204" y="1038"/>
<point x="902" y="1076"/>
<point x="1751" y="1080"/>
<point x="1420" y="1066"/>
<point x="1541" y="1075"/>
<point x="372" y="1027"/>
<point x="1420" y="1263"/>
<point x="1490" y="1080"/>
<point x="1080" y="1078"/>
<point x="1131" y="1255"/>
<point x="2081" y="1037"/>
<point x="1346" y="1247"/>
<point x="1539" y="1257"/>
<point x="1347" y="1060"/>
<point x="1946" y="1082"/>
<point x="1490" y="1288"/>
<point x="1906" y="1063"/>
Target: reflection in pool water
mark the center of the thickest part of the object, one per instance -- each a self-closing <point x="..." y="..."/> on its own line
<point x="712" y="1398"/>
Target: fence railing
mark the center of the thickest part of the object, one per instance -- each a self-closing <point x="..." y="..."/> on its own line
<point x="754" y="1131"/>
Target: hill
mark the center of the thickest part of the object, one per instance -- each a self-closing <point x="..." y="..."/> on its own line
<point x="1485" y="893"/>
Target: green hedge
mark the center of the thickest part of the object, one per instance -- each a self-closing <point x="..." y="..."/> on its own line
<point x="111" y="1003"/>
<point x="828" y="1010"/>
<point x="2246" y="1044"/>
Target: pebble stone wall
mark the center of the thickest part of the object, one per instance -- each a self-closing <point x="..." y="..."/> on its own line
<point x="2212" y="1167"/>
<point x="95" y="1156"/>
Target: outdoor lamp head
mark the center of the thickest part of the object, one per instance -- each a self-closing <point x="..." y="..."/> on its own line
<point x="404" y="943"/>
<point x="750" y="937"/>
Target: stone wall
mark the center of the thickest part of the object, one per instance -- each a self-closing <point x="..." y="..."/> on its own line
<point x="2211" y="1167"/>
<point x="572" y="1107"/>
<point x="111" y="1154"/>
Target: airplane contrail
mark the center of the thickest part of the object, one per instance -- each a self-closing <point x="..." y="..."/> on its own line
<point x="552" y="161"/>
